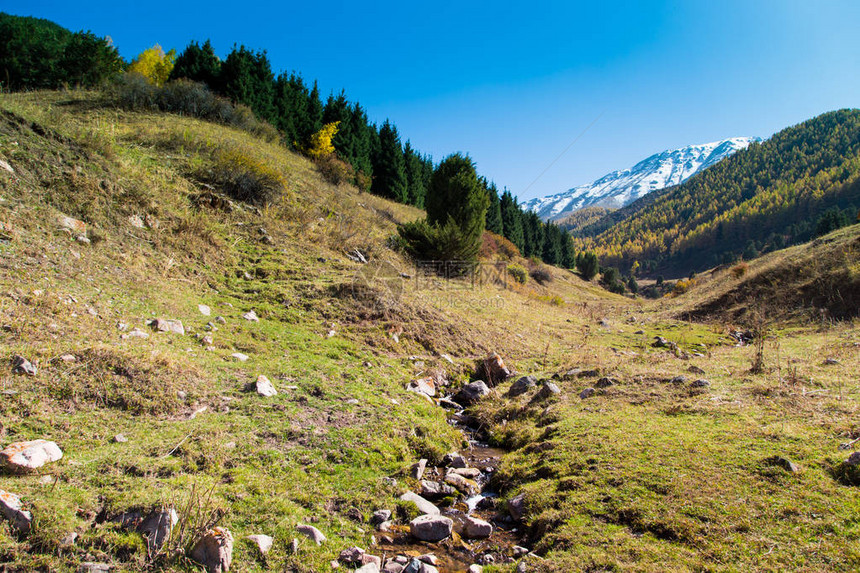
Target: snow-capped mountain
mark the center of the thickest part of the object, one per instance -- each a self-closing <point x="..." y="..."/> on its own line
<point x="621" y="188"/>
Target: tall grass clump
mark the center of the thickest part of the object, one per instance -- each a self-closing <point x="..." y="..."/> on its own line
<point x="246" y="178"/>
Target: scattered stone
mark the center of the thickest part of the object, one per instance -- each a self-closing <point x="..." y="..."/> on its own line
<point x="351" y="556"/>
<point x="701" y="383"/>
<point x="449" y="404"/>
<point x="23" y="456"/>
<point x="639" y="332"/>
<point x="11" y="508"/>
<point x="214" y="550"/>
<point x="380" y="516"/>
<point x="521" y="567"/>
<point x="660" y="342"/>
<point x="418" y="469"/>
<point x="83" y="239"/>
<point x="294" y="546"/>
<point x="781" y="462"/>
<point x="429" y="559"/>
<point x="455" y="460"/>
<point x="311" y="532"/>
<point x="204" y="310"/>
<point x="519" y="551"/>
<point x="68" y="540"/>
<point x="604" y="323"/>
<point x="523" y="385"/>
<point x="471" y="393"/>
<point x="423" y="505"/>
<point x="251" y="316"/>
<point x="136" y="333"/>
<point x="424" y="386"/>
<point x="168" y="325"/>
<point x="157" y="526"/>
<point x="239" y="356"/>
<point x="679" y="380"/>
<point x="71" y="224"/>
<point x="263" y="386"/>
<point x="470" y="473"/>
<point x="21" y="365"/>
<point x="136" y="221"/>
<point x="220" y="320"/>
<point x="46" y="480"/>
<point x="587" y="393"/>
<point x="830" y="362"/>
<point x="475" y="528"/>
<point x="463" y="485"/>
<point x="120" y="439"/>
<point x="606" y="382"/>
<point x="432" y="528"/>
<point x="331" y="333"/>
<point x="68" y="358"/>
<point x="446" y="358"/>
<point x="371" y="567"/>
<point x="436" y="490"/>
<point x="695" y="370"/>
<point x="547" y="389"/>
<point x="263" y="542"/>
<point x="7" y="167"/>
<point x="92" y="567"/>
<point x="517" y="507"/>
<point x="475" y="569"/>
<point x="493" y="370"/>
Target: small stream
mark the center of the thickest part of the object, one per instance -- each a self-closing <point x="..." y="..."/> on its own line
<point x="456" y="553"/>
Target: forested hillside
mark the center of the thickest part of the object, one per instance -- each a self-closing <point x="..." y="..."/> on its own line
<point x="801" y="183"/>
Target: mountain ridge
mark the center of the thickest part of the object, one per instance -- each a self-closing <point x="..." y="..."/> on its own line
<point x="620" y="188"/>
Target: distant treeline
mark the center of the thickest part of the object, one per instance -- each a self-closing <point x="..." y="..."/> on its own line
<point x="38" y="54"/>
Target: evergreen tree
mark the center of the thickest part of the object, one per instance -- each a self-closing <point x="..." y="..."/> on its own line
<point x="414" y="176"/>
<point x="292" y="116"/>
<point x="587" y="265"/>
<point x="389" y="172"/>
<point x="512" y="225"/>
<point x="494" y="212"/>
<point x="199" y="64"/>
<point x="246" y="77"/>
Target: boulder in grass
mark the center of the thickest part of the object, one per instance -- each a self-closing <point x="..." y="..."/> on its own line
<point x="523" y="385"/>
<point x="423" y="505"/>
<point x="474" y="528"/>
<point x="311" y="532"/>
<point x="471" y="393"/>
<point x="214" y="550"/>
<point x="21" y="365"/>
<point x="25" y="456"/>
<point x="262" y="542"/>
<point x="493" y="370"/>
<point x="262" y="386"/>
<point x="11" y="508"/>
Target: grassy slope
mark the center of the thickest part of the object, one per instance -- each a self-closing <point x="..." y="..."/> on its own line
<point x="645" y="475"/>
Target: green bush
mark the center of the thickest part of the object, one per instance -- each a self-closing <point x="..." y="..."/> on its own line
<point x="518" y="273"/>
<point x="437" y="242"/>
<point x="247" y="179"/>
<point x="541" y="274"/>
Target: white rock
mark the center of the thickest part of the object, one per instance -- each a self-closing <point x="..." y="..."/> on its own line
<point x="424" y="506"/>
<point x="68" y="358"/>
<point x="371" y="567"/>
<point x="120" y="439"/>
<point x="6" y="166"/>
<point x="136" y="221"/>
<point x="168" y="325"/>
<point x="252" y="316"/>
<point x="21" y="365"/>
<point x="71" y="224"/>
<point x="30" y="455"/>
<point x="239" y="356"/>
<point x="204" y="310"/>
<point x="263" y="386"/>
<point x="263" y="542"/>
<point x="11" y="508"/>
<point x="311" y="532"/>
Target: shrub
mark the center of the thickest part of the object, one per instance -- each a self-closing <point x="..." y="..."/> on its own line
<point x="493" y="245"/>
<point x="739" y="270"/>
<point x="437" y="242"/>
<point x="135" y="92"/>
<point x="518" y="273"/>
<point x="246" y="178"/>
<point x="541" y="274"/>
<point x="334" y="170"/>
<point x="587" y="265"/>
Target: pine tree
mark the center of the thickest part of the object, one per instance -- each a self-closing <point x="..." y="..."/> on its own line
<point x="389" y="173"/>
<point x="199" y="64"/>
<point x="246" y="77"/>
<point x="414" y="176"/>
<point x="512" y="224"/>
<point x="494" y="212"/>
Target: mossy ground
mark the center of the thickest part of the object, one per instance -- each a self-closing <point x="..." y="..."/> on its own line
<point x="644" y="475"/>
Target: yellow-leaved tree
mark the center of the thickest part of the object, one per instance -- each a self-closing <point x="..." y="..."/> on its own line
<point x="320" y="144"/>
<point x="154" y="64"/>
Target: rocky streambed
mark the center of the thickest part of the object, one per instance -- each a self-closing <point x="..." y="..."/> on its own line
<point x="463" y="525"/>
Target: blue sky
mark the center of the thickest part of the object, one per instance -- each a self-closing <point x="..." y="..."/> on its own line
<point x="514" y="84"/>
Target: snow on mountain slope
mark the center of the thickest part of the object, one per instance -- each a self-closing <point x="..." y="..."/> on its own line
<point x="621" y="188"/>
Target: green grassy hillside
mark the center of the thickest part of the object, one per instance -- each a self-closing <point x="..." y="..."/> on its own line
<point x="644" y="475"/>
